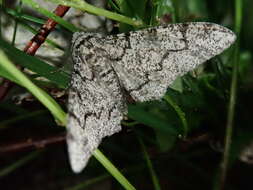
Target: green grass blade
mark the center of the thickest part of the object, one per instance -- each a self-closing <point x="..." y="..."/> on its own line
<point x="21" y="17"/>
<point x="232" y="101"/>
<point x="43" y="69"/>
<point x="41" y="95"/>
<point x="83" y="6"/>
<point x="113" y="170"/>
<point x="150" y="166"/>
<point x="7" y="75"/>
<point x="179" y="112"/>
<point x="51" y="15"/>
<point x="89" y="182"/>
<point x="16" y="24"/>
<point x="19" y="163"/>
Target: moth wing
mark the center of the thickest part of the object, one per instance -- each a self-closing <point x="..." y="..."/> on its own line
<point x="149" y="60"/>
<point x="144" y="62"/>
<point x="95" y="106"/>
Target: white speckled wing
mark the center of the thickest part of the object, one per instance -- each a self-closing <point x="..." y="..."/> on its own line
<point x="141" y="64"/>
<point x="153" y="58"/>
<point x="96" y="103"/>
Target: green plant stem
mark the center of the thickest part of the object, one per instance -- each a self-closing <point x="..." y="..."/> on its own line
<point x="89" y="182"/>
<point x="114" y="5"/>
<point x="21" y="17"/>
<point x="98" y="179"/>
<point x="51" y="15"/>
<point x="232" y="100"/>
<point x="150" y="167"/>
<point x="1" y="7"/>
<point x="83" y="6"/>
<point x="130" y="124"/>
<point x="175" y="4"/>
<point x="41" y="95"/>
<point x="16" y="23"/>
<point x="179" y="112"/>
<point x="112" y="169"/>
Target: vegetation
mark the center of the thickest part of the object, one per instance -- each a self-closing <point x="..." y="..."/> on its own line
<point x="191" y="139"/>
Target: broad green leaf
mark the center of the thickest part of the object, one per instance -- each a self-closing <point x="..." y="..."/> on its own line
<point x="141" y="114"/>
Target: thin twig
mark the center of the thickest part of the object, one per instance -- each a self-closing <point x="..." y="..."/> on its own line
<point x="34" y="44"/>
<point x="30" y="143"/>
<point x="44" y="31"/>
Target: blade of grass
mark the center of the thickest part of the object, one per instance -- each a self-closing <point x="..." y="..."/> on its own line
<point x="1" y="7"/>
<point x="16" y="24"/>
<point x="89" y="182"/>
<point x="86" y="183"/>
<point x="175" y="4"/>
<point x="113" y="170"/>
<point x="21" y="17"/>
<point x="232" y="99"/>
<point x="36" y="65"/>
<point x="83" y="6"/>
<point x="51" y="15"/>
<point x="179" y="112"/>
<point x="6" y="74"/>
<point x="150" y="166"/>
<point x="19" y="163"/>
<point x="114" y="5"/>
<point x="41" y="95"/>
<point x="130" y="124"/>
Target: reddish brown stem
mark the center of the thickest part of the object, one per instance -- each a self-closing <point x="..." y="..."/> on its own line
<point x="41" y="36"/>
<point x="30" y="143"/>
<point x="35" y="43"/>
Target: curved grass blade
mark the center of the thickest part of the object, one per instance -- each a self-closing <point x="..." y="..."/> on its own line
<point x="51" y="73"/>
<point x="51" y="15"/>
<point x="41" y="95"/>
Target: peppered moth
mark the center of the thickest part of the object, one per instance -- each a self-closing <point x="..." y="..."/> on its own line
<point x="141" y="64"/>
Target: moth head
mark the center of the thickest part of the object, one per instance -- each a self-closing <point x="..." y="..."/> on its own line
<point x="83" y="53"/>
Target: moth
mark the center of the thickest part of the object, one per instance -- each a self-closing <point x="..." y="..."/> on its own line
<point x="141" y="64"/>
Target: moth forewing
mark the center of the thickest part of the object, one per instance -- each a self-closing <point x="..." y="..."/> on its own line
<point x="141" y="63"/>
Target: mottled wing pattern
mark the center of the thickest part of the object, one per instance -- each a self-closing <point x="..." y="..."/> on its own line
<point x="141" y="63"/>
<point x="96" y="103"/>
<point x="148" y="61"/>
